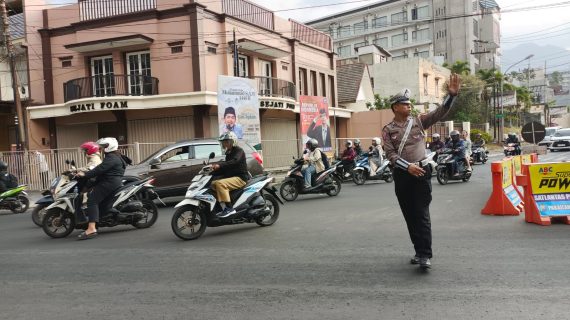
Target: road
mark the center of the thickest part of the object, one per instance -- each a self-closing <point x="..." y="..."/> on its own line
<point x="344" y="257"/>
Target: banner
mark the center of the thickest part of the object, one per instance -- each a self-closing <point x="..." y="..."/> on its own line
<point x="508" y="187"/>
<point x="238" y="109"/>
<point x="551" y="188"/>
<point x="315" y="121"/>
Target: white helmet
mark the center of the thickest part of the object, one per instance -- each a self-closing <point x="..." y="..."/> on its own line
<point x="108" y="144"/>
<point x="377" y="140"/>
<point x="348" y="143"/>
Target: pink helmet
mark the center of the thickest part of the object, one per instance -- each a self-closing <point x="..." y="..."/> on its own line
<point x="91" y="147"/>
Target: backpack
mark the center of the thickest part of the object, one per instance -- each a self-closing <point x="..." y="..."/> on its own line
<point x="325" y="159"/>
<point x="12" y="181"/>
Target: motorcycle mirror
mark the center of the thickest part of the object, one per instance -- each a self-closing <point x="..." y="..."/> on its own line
<point x="204" y="163"/>
<point x="212" y="155"/>
<point x="73" y="163"/>
<point x="67" y="161"/>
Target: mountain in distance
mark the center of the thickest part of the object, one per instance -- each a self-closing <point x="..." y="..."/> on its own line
<point x="557" y="58"/>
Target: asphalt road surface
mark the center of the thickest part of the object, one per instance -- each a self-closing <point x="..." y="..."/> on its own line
<point x="345" y="257"/>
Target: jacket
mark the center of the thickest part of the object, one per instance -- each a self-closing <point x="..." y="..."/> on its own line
<point x="235" y="165"/>
<point x="112" y="168"/>
<point x="315" y="159"/>
<point x="458" y="148"/>
<point x="349" y="154"/>
<point x="92" y="161"/>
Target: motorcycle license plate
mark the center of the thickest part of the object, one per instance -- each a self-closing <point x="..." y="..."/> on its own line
<point x="196" y="177"/>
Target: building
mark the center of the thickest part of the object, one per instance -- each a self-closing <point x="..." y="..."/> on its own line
<point x="146" y="71"/>
<point x="356" y="89"/>
<point x="419" y="28"/>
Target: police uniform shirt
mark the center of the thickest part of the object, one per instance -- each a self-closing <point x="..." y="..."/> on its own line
<point x="414" y="149"/>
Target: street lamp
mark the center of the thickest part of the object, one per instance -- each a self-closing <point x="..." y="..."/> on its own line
<point x="502" y="127"/>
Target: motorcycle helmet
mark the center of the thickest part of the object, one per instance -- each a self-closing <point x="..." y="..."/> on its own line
<point x="376" y="141"/>
<point x="108" y="144"/>
<point x="312" y="144"/>
<point x="435" y="137"/>
<point x="454" y="135"/>
<point x="3" y="166"/>
<point x="90" y="147"/>
<point x="228" y="136"/>
<point x="348" y="143"/>
<point x="478" y="136"/>
<point x="357" y="142"/>
<point x="512" y="135"/>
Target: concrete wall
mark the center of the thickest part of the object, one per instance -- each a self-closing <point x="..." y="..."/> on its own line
<point x="369" y="124"/>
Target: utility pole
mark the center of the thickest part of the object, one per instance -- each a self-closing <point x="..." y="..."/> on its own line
<point x="236" y="55"/>
<point x="485" y="51"/>
<point x="20" y="135"/>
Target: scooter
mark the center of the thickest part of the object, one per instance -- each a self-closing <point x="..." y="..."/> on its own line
<point x="479" y="154"/>
<point x="328" y="181"/>
<point x="256" y="202"/>
<point x="363" y="171"/>
<point x="445" y="168"/>
<point x="511" y="150"/>
<point x="15" y="199"/>
<point x="123" y="207"/>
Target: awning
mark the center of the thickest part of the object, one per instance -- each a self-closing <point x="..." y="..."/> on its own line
<point x="111" y="43"/>
<point x="261" y="49"/>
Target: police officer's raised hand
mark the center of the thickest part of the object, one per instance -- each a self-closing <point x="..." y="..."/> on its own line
<point x="454" y="84"/>
<point x="415" y="170"/>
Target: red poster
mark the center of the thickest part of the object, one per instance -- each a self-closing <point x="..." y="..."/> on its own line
<point x="315" y="121"/>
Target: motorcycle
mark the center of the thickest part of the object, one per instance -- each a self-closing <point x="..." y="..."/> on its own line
<point x="256" y="202"/>
<point x="479" y="154"/>
<point x="511" y="149"/>
<point x="445" y="168"/>
<point x="123" y="207"/>
<point x="328" y="181"/>
<point x="15" y="200"/>
<point x="363" y="171"/>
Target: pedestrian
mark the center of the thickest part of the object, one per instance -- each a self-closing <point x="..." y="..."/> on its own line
<point x="43" y="168"/>
<point x="404" y="143"/>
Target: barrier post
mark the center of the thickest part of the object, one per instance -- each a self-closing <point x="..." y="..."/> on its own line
<point x="505" y="198"/>
<point x="546" y="192"/>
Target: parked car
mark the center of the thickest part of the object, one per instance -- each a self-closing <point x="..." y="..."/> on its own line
<point x="174" y="166"/>
<point x="547" y="141"/>
<point x="561" y="140"/>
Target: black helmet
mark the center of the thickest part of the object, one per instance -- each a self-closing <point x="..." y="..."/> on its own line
<point x="512" y="135"/>
<point x="3" y="166"/>
<point x="312" y="144"/>
<point x="454" y="135"/>
<point x="478" y="135"/>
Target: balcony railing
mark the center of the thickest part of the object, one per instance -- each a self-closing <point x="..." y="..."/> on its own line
<point x="110" y="85"/>
<point x="310" y="35"/>
<point x="249" y="12"/>
<point x="97" y="9"/>
<point x="273" y="87"/>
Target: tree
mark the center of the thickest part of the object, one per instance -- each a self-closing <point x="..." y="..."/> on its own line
<point x="469" y="105"/>
<point x="381" y="103"/>
<point x="556" y="78"/>
<point x="459" y="67"/>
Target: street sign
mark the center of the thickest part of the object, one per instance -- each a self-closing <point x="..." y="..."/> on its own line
<point x="533" y="132"/>
<point x="499" y="115"/>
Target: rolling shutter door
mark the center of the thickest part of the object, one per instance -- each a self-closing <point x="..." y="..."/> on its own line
<point x="72" y="136"/>
<point x="279" y="142"/>
<point x="161" y="130"/>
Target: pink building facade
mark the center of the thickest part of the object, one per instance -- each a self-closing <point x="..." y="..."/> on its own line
<point x="146" y="71"/>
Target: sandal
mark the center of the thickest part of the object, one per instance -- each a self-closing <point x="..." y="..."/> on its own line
<point x="85" y="236"/>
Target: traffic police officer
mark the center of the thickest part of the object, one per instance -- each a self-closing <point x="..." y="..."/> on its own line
<point x="404" y="143"/>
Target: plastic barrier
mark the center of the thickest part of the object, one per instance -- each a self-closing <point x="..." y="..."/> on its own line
<point x="505" y="198"/>
<point x="518" y="161"/>
<point x="547" y="192"/>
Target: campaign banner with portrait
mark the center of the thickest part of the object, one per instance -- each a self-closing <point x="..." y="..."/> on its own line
<point x="315" y="121"/>
<point x="238" y="109"/>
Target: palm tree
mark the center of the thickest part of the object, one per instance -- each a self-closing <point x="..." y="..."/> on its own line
<point x="459" y="67"/>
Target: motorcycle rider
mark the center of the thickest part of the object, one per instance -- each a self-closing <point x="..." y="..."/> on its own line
<point x="6" y="179"/>
<point x="233" y="173"/>
<point x="357" y="147"/>
<point x="458" y="147"/>
<point x="376" y="153"/>
<point x="109" y="176"/>
<point x="347" y="158"/>
<point x="479" y="141"/>
<point x="468" y="151"/>
<point x="436" y="143"/>
<point x="512" y="138"/>
<point x="313" y="162"/>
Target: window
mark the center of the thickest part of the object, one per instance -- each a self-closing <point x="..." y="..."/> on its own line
<point x="399" y="39"/>
<point x="323" y="85"/>
<point x="202" y="151"/>
<point x="177" y="154"/>
<point x="360" y="27"/>
<point x="475" y="6"/>
<point x="332" y="92"/>
<point x="400" y="57"/>
<point x="422" y="54"/>
<point x="421" y="35"/>
<point x="138" y="69"/>
<point x="303" y="90"/>
<point x="437" y="87"/>
<point x="372" y="82"/>
<point x="380" y="22"/>
<point x="398" y="18"/>
<point x="360" y="44"/>
<point x="425" y="84"/>
<point x="475" y="28"/>
<point x="211" y="50"/>
<point x="243" y="65"/>
<point x="382" y="42"/>
<point x="103" y="76"/>
<point x="176" y="46"/>
<point x="344" y="51"/>
<point x="314" y="83"/>
<point x="423" y="12"/>
<point x="344" y="31"/>
<point x="66" y="64"/>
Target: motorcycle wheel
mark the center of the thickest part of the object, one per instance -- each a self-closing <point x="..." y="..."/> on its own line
<point x="188" y="222"/>
<point x="151" y="211"/>
<point x="38" y="214"/>
<point x="337" y="183"/>
<point x="58" y="223"/>
<point x="288" y="191"/>
<point x="389" y="178"/>
<point x="442" y="176"/>
<point x="273" y="206"/>
<point x="23" y="203"/>
<point x="359" y="177"/>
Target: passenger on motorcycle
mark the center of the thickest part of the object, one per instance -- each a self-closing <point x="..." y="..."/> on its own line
<point x="436" y="143"/>
<point x="357" y="147"/>
<point x="313" y="162"/>
<point x="91" y="151"/>
<point x="458" y="148"/>
<point x="347" y="158"/>
<point x="512" y="138"/>
<point x="468" y="151"/>
<point x="109" y="176"/>
<point x="232" y="173"/>
<point x="479" y="141"/>
<point x="376" y="152"/>
<point x="7" y="181"/>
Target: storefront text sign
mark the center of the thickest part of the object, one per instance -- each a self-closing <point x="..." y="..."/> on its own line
<point x="268" y="104"/>
<point x="99" y="106"/>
